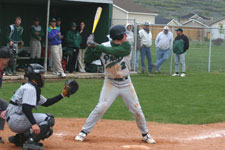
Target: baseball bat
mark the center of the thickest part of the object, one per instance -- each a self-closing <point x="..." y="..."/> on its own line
<point x="97" y="18"/>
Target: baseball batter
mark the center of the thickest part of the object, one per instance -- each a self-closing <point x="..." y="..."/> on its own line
<point x="31" y="127"/>
<point x="4" y="61"/>
<point x="115" y="56"/>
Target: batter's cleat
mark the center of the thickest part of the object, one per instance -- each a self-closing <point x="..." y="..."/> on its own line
<point x="148" y="139"/>
<point x="81" y="136"/>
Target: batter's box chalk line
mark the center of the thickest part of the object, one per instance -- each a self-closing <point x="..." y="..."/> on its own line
<point x="135" y="147"/>
<point x="209" y="135"/>
<point x="60" y="134"/>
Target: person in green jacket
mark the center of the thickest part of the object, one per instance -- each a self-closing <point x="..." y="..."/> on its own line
<point x="73" y="40"/>
<point x="14" y="39"/>
<point x="36" y="36"/>
<point x="180" y="46"/>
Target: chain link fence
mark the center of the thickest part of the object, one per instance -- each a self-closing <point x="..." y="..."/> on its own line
<point x="206" y="52"/>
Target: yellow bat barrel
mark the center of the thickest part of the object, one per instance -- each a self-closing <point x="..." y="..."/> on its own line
<point x="97" y="18"/>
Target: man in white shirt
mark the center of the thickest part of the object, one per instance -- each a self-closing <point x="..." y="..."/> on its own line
<point x="164" y="44"/>
<point x="146" y="42"/>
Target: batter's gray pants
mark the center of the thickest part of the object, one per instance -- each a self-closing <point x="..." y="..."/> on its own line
<point x="19" y="123"/>
<point x="110" y="90"/>
<point x="180" y="58"/>
<point x="3" y="106"/>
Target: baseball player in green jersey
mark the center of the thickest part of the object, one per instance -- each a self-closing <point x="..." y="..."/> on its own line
<point x="14" y="39"/>
<point x="115" y="56"/>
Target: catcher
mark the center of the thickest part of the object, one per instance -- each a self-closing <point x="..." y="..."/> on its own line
<point x="33" y="127"/>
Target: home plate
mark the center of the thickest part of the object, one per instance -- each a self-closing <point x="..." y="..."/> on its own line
<point x="135" y="147"/>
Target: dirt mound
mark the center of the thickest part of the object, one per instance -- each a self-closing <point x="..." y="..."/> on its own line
<point x="124" y="135"/>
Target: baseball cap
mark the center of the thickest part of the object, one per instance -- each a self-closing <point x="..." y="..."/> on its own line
<point x="147" y="23"/>
<point x="53" y="20"/>
<point x="36" y="19"/>
<point x="180" y="29"/>
<point x="73" y="24"/>
<point x="166" y="28"/>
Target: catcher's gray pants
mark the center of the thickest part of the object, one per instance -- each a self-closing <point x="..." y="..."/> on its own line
<point x="19" y="123"/>
<point x="3" y="106"/>
<point x="180" y="58"/>
<point x="110" y="90"/>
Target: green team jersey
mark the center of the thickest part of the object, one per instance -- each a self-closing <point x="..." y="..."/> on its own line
<point x="73" y="39"/>
<point x="115" y="58"/>
<point x="14" y="33"/>
<point x="38" y="29"/>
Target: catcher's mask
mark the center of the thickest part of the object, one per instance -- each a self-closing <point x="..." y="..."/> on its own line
<point x="34" y="72"/>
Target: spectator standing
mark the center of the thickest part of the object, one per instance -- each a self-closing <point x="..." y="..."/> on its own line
<point x="36" y="37"/>
<point x="146" y="43"/>
<point x="54" y="37"/>
<point x="50" y="64"/>
<point x="84" y="34"/>
<point x="180" y="46"/>
<point x="14" y="39"/>
<point x="73" y="40"/>
<point x="130" y="39"/>
<point x="164" y="44"/>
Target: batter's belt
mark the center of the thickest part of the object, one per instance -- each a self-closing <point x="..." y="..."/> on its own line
<point x="119" y="79"/>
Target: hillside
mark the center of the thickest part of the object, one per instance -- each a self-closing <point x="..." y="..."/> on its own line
<point x="176" y="8"/>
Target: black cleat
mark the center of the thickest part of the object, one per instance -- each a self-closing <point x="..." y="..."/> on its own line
<point x="17" y="140"/>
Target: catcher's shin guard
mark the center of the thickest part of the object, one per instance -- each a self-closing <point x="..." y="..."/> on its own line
<point x="46" y="131"/>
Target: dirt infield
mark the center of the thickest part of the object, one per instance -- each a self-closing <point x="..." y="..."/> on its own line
<point x="124" y="135"/>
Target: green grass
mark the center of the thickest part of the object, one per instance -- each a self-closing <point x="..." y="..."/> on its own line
<point x="197" y="99"/>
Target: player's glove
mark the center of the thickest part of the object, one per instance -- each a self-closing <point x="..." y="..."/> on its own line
<point x="71" y="86"/>
<point x="91" y="42"/>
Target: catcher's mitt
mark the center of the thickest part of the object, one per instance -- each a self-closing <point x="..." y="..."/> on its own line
<point x="72" y="87"/>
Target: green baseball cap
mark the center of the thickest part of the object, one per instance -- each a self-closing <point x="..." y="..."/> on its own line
<point x="73" y="24"/>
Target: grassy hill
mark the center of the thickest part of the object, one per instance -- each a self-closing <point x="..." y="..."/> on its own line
<point x="176" y="8"/>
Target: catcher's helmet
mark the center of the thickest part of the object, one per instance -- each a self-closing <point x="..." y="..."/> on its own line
<point x="116" y="32"/>
<point x="33" y="72"/>
<point x="4" y="52"/>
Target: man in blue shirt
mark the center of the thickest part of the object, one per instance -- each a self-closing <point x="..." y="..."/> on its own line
<point x="55" y="39"/>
